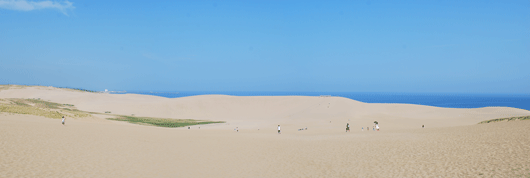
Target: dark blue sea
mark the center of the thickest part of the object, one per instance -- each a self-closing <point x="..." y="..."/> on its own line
<point x="447" y="100"/>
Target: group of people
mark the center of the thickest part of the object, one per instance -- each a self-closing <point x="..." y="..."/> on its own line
<point x="279" y="129"/>
<point x="376" y="127"/>
<point x="280" y="132"/>
<point x="347" y="128"/>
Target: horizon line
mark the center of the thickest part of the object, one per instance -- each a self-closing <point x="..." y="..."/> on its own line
<point x="276" y="91"/>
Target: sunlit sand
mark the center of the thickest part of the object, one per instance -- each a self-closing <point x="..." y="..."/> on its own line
<point x="452" y="144"/>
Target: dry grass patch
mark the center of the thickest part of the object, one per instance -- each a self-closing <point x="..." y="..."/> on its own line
<point x="21" y="109"/>
<point x="162" y="122"/>
<point x="506" y="119"/>
<point x="56" y="111"/>
<point x="40" y="108"/>
<point x="6" y="87"/>
<point x="78" y="89"/>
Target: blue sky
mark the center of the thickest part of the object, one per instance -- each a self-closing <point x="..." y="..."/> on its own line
<point x="335" y="46"/>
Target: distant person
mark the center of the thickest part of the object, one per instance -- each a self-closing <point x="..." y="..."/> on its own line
<point x="377" y="127"/>
<point x="347" y="127"/>
<point x="63" y="120"/>
<point x="362" y="129"/>
<point x="373" y="128"/>
<point x="279" y="132"/>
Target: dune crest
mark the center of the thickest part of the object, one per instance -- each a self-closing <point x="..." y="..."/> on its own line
<point x="252" y="112"/>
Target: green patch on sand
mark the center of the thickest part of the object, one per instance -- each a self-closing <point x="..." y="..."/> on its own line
<point x="20" y="109"/>
<point x="19" y="102"/>
<point x="39" y="107"/>
<point x="37" y="103"/>
<point x="79" y="89"/>
<point x="53" y="110"/>
<point x="5" y="87"/>
<point x="162" y="122"/>
<point x="506" y="119"/>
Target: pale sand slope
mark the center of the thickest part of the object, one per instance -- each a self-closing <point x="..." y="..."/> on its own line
<point x="266" y="112"/>
<point x="32" y="146"/>
<point x="451" y="145"/>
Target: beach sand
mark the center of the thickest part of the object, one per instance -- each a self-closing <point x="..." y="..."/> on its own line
<point x="451" y="145"/>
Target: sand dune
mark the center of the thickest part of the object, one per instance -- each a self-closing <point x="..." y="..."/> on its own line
<point x="253" y="112"/>
<point x="451" y="145"/>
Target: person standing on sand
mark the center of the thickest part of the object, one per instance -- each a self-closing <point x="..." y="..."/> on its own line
<point x="347" y="127"/>
<point x="63" y="120"/>
<point x="279" y="132"/>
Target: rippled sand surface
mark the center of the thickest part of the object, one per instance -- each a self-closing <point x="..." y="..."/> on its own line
<point x="39" y="147"/>
<point x="451" y="145"/>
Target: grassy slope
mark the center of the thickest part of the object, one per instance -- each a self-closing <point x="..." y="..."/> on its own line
<point x="56" y="111"/>
<point x="39" y="108"/>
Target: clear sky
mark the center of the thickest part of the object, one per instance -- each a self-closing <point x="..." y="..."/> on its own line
<point x="344" y="46"/>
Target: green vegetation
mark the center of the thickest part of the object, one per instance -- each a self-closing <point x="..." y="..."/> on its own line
<point x="56" y="111"/>
<point x="162" y="122"/>
<point x="20" y="109"/>
<point x="5" y="87"/>
<point x="53" y="110"/>
<point x="77" y="113"/>
<point x="44" y="104"/>
<point x="79" y="89"/>
<point x="506" y="119"/>
<point x="39" y="108"/>
<point x="19" y="102"/>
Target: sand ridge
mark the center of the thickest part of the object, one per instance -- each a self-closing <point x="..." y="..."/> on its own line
<point x="262" y="112"/>
<point x="451" y="145"/>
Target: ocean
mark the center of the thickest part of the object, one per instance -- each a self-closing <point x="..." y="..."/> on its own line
<point x="447" y="100"/>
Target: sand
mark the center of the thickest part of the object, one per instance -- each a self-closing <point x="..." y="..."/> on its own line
<point x="451" y="145"/>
